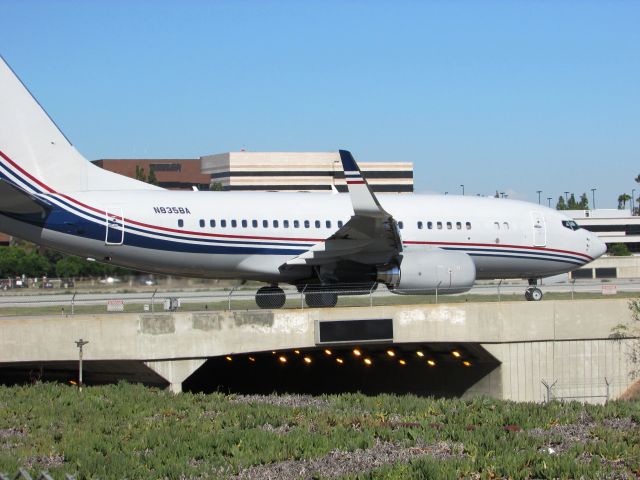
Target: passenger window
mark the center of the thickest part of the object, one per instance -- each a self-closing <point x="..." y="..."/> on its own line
<point x="459" y="225"/>
<point x="254" y="223"/>
<point x="448" y="225"/>
<point x="265" y="223"/>
<point x="429" y="225"/>
<point x="212" y="223"/>
<point x="201" y="223"/>
<point x="234" y="224"/>
<point x="317" y="223"/>
<point x="419" y="225"/>
<point x="296" y="224"/>
<point x="328" y="223"/>
<point x="400" y="225"/>
<point x="275" y="224"/>
<point x="439" y="225"/>
<point x="468" y="224"/>
<point x="181" y="223"/>
<point x="497" y="225"/>
<point x="244" y="224"/>
<point x="306" y="224"/>
<point x="340" y="223"/>
<point x="223" y="223"/>
<point x="505" y="225"/>
<point x="285" y="223"/>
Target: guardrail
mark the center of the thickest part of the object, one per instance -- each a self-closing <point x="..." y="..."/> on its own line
<point x="239" y="298"/>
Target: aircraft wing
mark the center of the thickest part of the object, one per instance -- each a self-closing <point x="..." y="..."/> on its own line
<point x="371" y="236"/>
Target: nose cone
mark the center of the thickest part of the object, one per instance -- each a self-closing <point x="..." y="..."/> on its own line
<point x="598" y="247"/>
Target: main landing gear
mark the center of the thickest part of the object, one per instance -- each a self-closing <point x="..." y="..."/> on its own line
<point x="270" y="297"/>
<point x="321" y="299"/>
<point x="533" y="293"/>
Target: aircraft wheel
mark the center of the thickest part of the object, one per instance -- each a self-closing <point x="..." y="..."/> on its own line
<point x="536" y="294"/>
<point x="270" y="297"/>
<point x="321" y="299"/>
<point x="527" y="294"/>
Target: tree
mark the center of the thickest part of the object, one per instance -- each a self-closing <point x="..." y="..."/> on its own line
<point x="618" y="250"/>
<point x="216" y="187"/>
<point x="584" y="202"/>
<point x="630" y="331"/>
<point x="561" y="205"/>
<point x="70" y="267"/>
<point x="497" y="195"/>
<point x="622" y="201"/>
<point x="572" y="205"/>
<point x="152" y="177"/>
<point x="140" y="175"/>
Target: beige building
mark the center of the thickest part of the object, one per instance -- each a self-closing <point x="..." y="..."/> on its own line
<point x="300" y="171"/>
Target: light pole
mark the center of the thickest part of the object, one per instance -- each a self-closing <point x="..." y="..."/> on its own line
<point x="80" y="343"/>
<point x="462" y="189"/>
<point x="593" y="196"/>
<point x="549" y="200"/>
<point x="539" y="192"/>
<point x="566" y="197"/>
<point x="633" y="201"/>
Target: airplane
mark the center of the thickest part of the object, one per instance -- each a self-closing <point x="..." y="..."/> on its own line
<point x="324" y="244"/>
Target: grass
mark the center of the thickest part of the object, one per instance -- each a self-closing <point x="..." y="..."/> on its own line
<point x="131" y="431"/>
<point x="247" y="303"/>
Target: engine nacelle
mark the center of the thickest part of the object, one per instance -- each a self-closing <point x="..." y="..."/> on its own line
<point x="423" y="273"/>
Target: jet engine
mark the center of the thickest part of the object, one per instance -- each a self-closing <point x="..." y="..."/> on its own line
<point x="421" y="273"/>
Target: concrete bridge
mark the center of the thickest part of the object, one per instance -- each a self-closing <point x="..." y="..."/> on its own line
<point x="507" y="350"/>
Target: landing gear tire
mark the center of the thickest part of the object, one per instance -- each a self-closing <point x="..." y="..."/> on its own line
<point x="533" y="294"/>
<point x="270" y="297"/>
<point x="321" y="299"/>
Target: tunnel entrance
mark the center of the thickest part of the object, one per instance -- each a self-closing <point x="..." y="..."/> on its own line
<point x="441" y="370"/>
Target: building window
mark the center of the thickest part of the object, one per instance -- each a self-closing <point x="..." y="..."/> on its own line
<point x="223" y="223"/>
<point x="181" y="223"/>
<point x="265" y="223"/>
<point x="328" y="223"/>
<point x="234" y="224"/>
<point x="296" y="224"/>
<point x="429" y="225"/>
<point x="254" y="223"/>
<point x="165" y="167"/>
<point x="244" y="224"/>
<point x="212" y="223"/>
<point x="459" y="225"/>
<point x="201" y="223"/>
<point x="306" y="224"/>
<point x="285" y="223"/>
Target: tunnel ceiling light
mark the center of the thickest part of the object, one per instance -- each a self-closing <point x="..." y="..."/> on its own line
<point x="297" y="352"/>
<point x="466" y="363"/>
<point x="368" y="361"/>
<point x="327" y="351"/>
<point x="273" y="352"/>
<point x="431" y="363"/>
<point x="402" y="362"/>
<point x="340" y="361"/>
<point x="391" y="353"/>
<point x="282" y="359"/>
<point x="307" y="360"/>
<point x="456" y="354"/>
<point x="419" y="353"/>
<point x="357" y="352"/>
<point x="251" y="359"/>
<point x="228" y="358"/>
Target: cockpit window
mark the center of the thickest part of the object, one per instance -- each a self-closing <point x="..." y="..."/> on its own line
<point x="570" y="224"/>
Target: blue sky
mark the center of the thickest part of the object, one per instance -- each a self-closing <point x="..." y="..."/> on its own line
<point x="495" y="95"/>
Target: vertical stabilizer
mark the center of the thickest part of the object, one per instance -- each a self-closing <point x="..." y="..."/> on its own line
<point x="34" y="152"/>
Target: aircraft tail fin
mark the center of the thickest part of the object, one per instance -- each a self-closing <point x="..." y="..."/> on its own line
<point x="36" y="155"/>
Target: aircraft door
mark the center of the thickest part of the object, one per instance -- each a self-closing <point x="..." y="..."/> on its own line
<point x="114" y="226"/>
<point x="539" y="229"/>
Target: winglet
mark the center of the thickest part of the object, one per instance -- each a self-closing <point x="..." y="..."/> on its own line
<point x="362" y="197"/>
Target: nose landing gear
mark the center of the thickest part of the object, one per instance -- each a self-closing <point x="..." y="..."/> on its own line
<point x="533" y="293"/>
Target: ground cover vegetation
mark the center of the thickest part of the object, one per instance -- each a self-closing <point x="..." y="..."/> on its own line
<point x="129" y="431"/>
